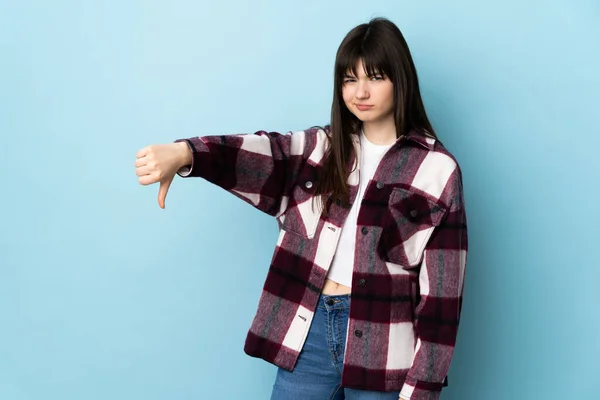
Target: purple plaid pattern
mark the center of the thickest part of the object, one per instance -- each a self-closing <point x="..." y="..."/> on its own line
<point x="411" y="243"/>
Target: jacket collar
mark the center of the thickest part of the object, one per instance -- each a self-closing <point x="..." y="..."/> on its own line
<point x="425" y="141"/>
<point x="413" y="136"/>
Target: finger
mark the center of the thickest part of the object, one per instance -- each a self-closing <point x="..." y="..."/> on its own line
<point x="141" y="171"/>
<point x="142" y="152"/>
<point x="148" y="179"/>
<point x="140" y="162"/>
<point x="162" y="192"/>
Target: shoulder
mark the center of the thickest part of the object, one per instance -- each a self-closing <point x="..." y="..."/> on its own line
<point x="318" y="132"/>
<point x="431" y="152"/>
<point x="436" y="171"/>
<point x="450" y="173"/>
<point x="314" y="133"/>
<point x="313" y="141"/>
<point x="441" y="152"/>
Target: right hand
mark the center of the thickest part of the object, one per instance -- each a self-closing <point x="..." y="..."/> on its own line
<point x="160" y="163"/>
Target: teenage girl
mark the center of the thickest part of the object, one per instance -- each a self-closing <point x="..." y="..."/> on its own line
<point x="363" y="295"/>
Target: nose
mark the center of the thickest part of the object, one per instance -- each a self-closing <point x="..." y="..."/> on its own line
<point x="362" y="91"/>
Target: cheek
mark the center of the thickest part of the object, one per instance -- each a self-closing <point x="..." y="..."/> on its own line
<point x="389" y="93"/>
<point x="347" y="95"/>
<point x="384" y="96"/>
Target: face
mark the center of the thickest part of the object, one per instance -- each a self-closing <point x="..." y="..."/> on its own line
<point x="370" y="99"/>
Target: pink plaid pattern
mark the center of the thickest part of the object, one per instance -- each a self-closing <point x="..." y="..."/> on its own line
<point x="410" y="261"/>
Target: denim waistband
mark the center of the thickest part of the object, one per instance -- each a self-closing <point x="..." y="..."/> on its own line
<point x="334" y="301"/>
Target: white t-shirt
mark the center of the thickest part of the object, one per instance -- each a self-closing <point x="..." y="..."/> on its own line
<point x="342" y="265"/>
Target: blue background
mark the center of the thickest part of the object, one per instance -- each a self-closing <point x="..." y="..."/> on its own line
<point x="103" y="295"/>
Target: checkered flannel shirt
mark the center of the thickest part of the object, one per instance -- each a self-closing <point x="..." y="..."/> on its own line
<point x="409" y="268"/>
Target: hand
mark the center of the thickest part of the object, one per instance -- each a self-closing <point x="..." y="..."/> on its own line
<point x="160" y="163"/>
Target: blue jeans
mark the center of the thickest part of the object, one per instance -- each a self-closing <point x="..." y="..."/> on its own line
<point x="318" y="372"/>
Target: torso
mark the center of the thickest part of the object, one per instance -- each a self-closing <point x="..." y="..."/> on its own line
<point x="333" y="288"/>
<point x="371" y="155"/>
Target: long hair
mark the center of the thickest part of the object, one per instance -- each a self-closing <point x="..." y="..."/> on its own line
<point x="383" y="49"/>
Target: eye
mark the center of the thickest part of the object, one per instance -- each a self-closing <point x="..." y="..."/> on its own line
<point x="377" y="77"/>
<point x="349" y="80"/>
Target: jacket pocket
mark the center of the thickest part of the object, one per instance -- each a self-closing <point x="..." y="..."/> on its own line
<point x="412" y="218"/>
<point x="304" y="212"/>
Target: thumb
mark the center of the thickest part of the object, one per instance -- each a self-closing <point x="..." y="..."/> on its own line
<point x="162" y="191"/>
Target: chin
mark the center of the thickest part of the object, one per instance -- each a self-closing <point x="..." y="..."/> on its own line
<point x="366" y="118"/>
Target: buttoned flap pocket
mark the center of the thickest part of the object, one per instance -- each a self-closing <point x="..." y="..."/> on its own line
<point x="412" y="218"/>
<point x="304" y="210"/>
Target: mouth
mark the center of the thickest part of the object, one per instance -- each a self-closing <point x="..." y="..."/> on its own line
<point x="363" y="107"/>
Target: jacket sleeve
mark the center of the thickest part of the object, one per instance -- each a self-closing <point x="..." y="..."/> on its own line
<point x="260" y="168"/>
<point x="441" y="281"/>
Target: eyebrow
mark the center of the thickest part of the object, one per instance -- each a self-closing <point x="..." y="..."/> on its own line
<point x="375" y="73"/>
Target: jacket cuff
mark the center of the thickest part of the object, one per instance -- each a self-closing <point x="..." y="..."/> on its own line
<point x="186" y="171"/>
<point x="414" y="389"/>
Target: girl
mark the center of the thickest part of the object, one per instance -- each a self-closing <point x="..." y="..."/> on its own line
<point x="363" y="295"/>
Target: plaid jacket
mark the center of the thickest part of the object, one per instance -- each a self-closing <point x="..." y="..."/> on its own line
<point x="410" y="261"/>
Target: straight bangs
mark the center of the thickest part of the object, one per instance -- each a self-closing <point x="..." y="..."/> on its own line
<point x="374" y="58"/>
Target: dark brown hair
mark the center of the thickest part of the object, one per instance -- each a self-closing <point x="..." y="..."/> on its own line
<point x="383" y="50"/>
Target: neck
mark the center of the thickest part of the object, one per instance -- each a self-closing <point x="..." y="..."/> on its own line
<point x="380" y="132"/>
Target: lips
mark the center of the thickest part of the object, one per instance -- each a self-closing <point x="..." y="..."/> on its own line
<point x="363" y="107"/>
